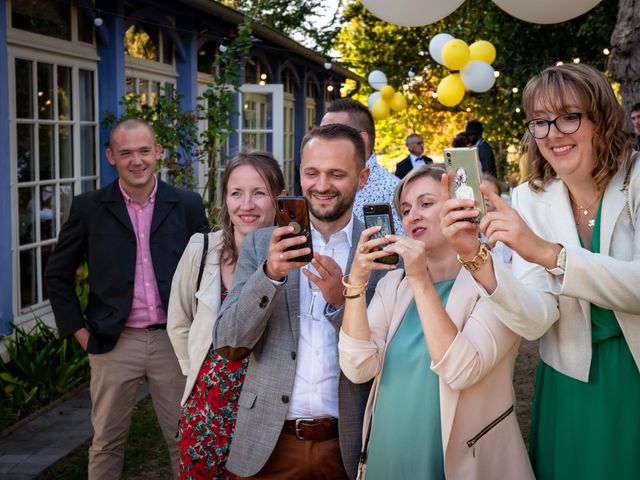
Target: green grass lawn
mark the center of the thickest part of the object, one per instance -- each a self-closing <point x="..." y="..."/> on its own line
<point x="146" y="456"/>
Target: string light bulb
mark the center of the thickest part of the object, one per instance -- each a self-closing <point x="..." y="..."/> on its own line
<point x="98" y="21"/>
<point x="327" y="65"/>
<point x="224" y="45"/>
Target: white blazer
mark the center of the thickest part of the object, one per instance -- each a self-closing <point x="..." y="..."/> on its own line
<point x="534" y="303"/>
<point x="481" y="438"/>
<point x="191" y="330"/>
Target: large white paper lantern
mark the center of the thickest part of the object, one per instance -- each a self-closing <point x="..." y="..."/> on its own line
<point x="546" y="11"/>
<point x="411" y="13"/>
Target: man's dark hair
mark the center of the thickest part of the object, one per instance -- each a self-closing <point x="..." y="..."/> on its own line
<point x="636" y="107"/>
<point x="359" y="116"/>
<point x="339" y="131"/>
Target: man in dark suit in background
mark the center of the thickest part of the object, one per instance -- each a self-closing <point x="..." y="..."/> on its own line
<point x="487" y="161"/>
<point x="298" y="415"/>
<point x="131" y="233"/>
<point x="415" y="144"/>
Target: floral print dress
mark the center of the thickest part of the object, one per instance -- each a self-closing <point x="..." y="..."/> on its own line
<point x="209" y="417"/>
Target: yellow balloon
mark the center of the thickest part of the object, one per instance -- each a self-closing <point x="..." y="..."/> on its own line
<point x="380" y="110"/>
<point x="482" y="50"/>
<point x="455" y="54"/>
<point x="386" y="93"/>
<point x="451" y="90"/>
<point x="398" y="102"/>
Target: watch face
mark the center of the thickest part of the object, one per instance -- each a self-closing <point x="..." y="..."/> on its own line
<point x="562" y="259"/>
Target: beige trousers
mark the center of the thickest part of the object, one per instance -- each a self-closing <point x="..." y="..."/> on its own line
<point x="115" y="377"/>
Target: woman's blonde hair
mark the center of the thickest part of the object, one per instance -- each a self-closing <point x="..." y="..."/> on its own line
<point x="432" y="171"/>
<point x="555" y="88"/>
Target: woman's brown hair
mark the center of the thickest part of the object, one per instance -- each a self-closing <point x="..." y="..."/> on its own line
<point x="268" y="168"/>
<point x="554" y="88"/>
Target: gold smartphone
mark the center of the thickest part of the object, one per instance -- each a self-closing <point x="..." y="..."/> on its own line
<point x="463" y="166"/>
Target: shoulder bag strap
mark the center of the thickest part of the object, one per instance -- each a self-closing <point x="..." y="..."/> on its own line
<point x="203" y="260"/>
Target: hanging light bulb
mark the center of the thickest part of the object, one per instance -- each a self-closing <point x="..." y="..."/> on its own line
<point x="411" y="73"/>
<point x="98" y="21"/>
<point x="327" y="64"/>
<point x="224" y="45"/>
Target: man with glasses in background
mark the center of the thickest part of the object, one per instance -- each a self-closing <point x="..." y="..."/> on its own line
<point x="415" y="144"/>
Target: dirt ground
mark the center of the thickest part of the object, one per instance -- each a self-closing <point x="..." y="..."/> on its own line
<point x="524" y="378"/>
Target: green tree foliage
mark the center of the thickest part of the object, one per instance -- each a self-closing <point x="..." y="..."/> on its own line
<point x="367" y="43"/>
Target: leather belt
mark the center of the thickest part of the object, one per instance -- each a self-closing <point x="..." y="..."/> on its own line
<point x="157" y="326"/>
<point x="316" y="429"/>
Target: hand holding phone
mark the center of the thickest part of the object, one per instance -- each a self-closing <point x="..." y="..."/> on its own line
<point x="379" y="215"/>
<point x="294" y="212"/>
<point x="463" y="165"/>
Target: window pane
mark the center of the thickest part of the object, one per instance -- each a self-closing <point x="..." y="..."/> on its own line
<point x="87" y="150"/>
<point x="85" y="96"/>
<point x="26" y="171"/>
<point x="206" y="55"/>
<point x="167" y="49"/>
<point x="143" y="90"/>
<point x="45" y="141"/>
<point x="88" y="185"/>
<point x="47" y="212"/>
<point x="45" y="253"/>
<point x="65" y="107"/>
<point x="66" y="195"/>
<point x="46" y="17"/>
<point x="28" y="287"/>
<point x="26" y="215"/>
<point x="155" y="92"/>
<point x="45" y="90"/>
<point x="65" y="146"/>
<point x="142" y="42"/>
<point x="85" y="26"/>
<point x="130" y="86"/>
<point x="24" y="88"/>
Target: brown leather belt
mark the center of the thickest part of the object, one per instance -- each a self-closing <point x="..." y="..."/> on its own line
<point x="316" y="429"/>
<point x="157" y="326"/>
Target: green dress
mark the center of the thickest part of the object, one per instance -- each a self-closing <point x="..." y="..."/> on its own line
<point x="406" y="439"/>
<point x="589" y="431"/>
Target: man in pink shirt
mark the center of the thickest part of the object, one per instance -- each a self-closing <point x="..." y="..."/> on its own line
<point x="131" y="233"/>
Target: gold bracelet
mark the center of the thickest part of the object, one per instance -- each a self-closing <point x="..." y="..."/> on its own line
<point x="478" y="260"/>
<point x="355" y="295"/>
<point x="348" y="285"/>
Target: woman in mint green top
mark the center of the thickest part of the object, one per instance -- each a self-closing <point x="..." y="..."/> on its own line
<point x="576" y="270"/>
<point x="442" y="401"/>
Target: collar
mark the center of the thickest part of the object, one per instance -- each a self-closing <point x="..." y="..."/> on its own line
<point x="371" y="162"/>
<point x="151" y="198"/>
<point x="346" y="232"/>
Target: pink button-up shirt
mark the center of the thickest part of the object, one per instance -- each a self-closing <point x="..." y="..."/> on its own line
<point x="146" y="308"/>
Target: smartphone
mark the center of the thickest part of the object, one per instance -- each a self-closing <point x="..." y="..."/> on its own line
<point x="294" y="212"/>
<point x="463" y="166"/>
<point x="379" y="215"/>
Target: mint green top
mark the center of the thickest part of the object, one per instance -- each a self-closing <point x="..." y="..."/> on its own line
<point x="589" y="431"/>
<point x="406" y="440"/>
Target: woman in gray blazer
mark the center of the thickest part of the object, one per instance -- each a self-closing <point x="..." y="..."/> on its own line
<point x="251" y="182"/>
<point x="575" y="276"/>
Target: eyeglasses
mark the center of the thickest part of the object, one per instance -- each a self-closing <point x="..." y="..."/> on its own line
<point x="566" y="123"/>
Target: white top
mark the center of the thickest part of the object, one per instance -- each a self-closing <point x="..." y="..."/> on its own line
<point x="315" y="387"/>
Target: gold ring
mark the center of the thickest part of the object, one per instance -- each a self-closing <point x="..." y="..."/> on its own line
<point x="364" y="248"/>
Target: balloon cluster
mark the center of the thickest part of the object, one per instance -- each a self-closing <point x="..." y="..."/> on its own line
<point x="385" y="99"/>
<point x="471" y="65"/>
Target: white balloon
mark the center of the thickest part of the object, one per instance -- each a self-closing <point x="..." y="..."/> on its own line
<point x="478" y="76"/>
<point x="436" y="44"/>
<point x="546" y="11"/>
<point x="377" y="79"/>
<point x="373" y="98"/>
<point x="411" y="13"/>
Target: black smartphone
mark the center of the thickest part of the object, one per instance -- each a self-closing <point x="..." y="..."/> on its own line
<point x="379" y="215"/>
<point x="294" y="212"/>
<point x="463" y="166"/>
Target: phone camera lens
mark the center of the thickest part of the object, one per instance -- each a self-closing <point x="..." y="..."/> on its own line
<point x="292" y="215"/>
<point x="280" y="207"/>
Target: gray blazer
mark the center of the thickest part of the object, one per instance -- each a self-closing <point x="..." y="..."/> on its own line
<point x="265" y="318"/>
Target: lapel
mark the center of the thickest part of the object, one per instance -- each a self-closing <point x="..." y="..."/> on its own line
<point x="209" y="291"/>
<point x="557" y="218"/>
<point x="358" y="227"/>
<point x="613" y="203"/>
<point x="166" y="199"/>
<point x="114" y="202"/>
<point x="292" y="293"/>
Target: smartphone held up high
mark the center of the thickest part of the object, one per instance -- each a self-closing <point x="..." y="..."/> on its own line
<point x="379" y="215"/>
<point x="463" y="165"/>
<point x="294" y="212"/>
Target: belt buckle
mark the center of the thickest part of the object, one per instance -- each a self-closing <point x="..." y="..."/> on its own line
<point x="297" y="426"/>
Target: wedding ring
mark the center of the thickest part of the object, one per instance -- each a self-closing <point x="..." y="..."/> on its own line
<point x="364" y="248"/>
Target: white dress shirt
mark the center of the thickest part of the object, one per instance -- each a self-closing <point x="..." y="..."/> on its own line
<point x="315" y="387"/>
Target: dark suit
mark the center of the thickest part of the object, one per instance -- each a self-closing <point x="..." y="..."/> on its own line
<point x="100" y="230"/>
<point x="265" y="318"/>
<point x="487" y="161"/>
<point x="405" y="166"/>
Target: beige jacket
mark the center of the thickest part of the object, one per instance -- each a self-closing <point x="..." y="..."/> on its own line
<point x="475" y="379"/>
<point x="191" y="330"/>
<point x="534" y="303"/>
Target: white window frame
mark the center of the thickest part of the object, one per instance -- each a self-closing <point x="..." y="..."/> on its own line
<point x="40" y="48"/>
<point x="277" y="127"/>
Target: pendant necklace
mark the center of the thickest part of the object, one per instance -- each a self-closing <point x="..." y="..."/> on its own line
<point x="584" y="211"/>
